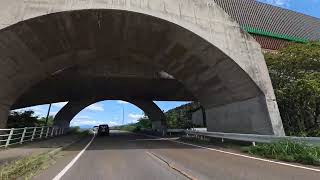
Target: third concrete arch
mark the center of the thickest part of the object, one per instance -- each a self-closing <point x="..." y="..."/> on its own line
<point x="71" y="109"/>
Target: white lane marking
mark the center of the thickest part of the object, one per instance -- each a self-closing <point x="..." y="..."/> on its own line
<point x="74" y="160"/>
<point x="245" y="156"/>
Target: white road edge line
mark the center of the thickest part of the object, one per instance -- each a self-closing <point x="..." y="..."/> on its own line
<point x="245" y="156"/>
<point x="74" y="160"/>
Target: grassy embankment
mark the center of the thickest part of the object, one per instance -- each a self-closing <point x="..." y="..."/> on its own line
<point x="288" y="151"/>
<point x="283" y="150"/>
<point x="30" y="166"/>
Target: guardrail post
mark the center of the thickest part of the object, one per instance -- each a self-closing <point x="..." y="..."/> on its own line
<point x="222" y="140"/>
<point x="34" y="132"/>
<point x="52" y="131"/>
<point x="9" y="137"/>
<point x="41" y="132"/>
<point x="23" y="135"/>
<point x="253" y="143"/>
<point x="47" y="133"/>
<point x="57" y="132"/>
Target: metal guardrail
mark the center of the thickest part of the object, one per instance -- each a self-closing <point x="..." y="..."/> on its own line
<point x="20" y="135"/>
<point x="253" y="137"/>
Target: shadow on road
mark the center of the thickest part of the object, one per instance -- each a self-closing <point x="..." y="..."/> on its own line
<point x="124" y="141"/>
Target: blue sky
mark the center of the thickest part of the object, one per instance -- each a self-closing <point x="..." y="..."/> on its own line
<point x="309" y="7"/>
<point x="109" y="112"/>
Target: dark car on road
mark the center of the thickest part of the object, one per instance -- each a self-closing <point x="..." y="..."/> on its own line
<point x="103" y="130"/>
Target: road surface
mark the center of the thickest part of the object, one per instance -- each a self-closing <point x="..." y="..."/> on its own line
<point x="125" y="156"/>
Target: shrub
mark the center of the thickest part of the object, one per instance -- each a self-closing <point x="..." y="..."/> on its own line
<point x="288" y="151"/>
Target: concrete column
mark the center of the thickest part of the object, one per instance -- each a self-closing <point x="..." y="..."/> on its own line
<point x="4" y="111"/>
<point x="250" y="117"/>
<point x="154" y="113"/>
<point x="69" y="111"/>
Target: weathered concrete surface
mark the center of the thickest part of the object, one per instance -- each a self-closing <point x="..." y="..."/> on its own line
<point x="71" y="109"/>
<point x="4" y="110"/>
<point x="106" y="81"/>
<point x="198" y="44"/>
<point x="220" y="118"/>
<point x="197" y="118"/>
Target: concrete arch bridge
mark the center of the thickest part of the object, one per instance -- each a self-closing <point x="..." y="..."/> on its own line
<point x="136" y="50"/>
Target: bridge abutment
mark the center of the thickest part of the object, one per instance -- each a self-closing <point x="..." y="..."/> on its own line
<point x="250" y="117"/>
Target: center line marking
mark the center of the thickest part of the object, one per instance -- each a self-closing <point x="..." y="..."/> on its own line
<point x="74" y="160"/>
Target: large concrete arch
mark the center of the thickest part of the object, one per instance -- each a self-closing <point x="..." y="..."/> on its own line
<point x="71" y="109"/>
<point x="195" y="42"/>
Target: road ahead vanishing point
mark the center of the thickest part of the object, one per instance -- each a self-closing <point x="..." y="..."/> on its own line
<point x="126" y="156"/>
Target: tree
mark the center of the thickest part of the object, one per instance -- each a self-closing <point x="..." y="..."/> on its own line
<point x="27" y="119"/>
<point x="42" y="121"/>
<point x="295" y="74"/>
<point x="22" y="119"/>
<point x="181" y="117"/>
<point x="145" y="123"/>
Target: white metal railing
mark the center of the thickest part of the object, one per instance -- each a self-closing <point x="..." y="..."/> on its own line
<point x="20" y="135"/>
<point x="253" y="137"/>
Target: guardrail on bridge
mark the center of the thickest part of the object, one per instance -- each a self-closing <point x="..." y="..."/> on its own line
<point x="21" y="135"/>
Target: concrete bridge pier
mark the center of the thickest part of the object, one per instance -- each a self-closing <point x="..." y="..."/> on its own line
<point x="4" y="111"/>
<point x="249" y="116"/>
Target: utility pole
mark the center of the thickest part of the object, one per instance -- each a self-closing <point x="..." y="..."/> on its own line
<point x="48" y="114"/>
<point x="122" y="115"/>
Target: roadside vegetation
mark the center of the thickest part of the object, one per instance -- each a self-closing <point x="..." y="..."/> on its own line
<point x="288" y="151"/>
<point x="27" y="167"/>
<point x="143" y="123"/>
<point x="27" y="119"/>
<point x="295" y="75"/>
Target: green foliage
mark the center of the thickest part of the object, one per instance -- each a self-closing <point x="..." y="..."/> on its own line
<point x="295" y="74"/>
<point x="27" y="119"/>
<point x="288" y="151"/>
<point x="181" y="117"/>
<point x="22" y="119"/>
<point x="143" y="123"/>
<point x="130" y="128"/>
<point x="42" y="121"/>
<point x="75" y="130"/>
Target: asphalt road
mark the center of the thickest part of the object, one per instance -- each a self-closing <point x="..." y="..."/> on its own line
<point x="124" y="156"/>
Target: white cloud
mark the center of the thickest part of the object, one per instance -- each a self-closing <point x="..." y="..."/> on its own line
<point x="38" y="110"/>
<point x="60" y="104"/>
<point x="135" y="117"/>
<point x="122" y="102"/>
<point x="112" y="123"/>
<point x="84" y="122"/>
<point x="95" y="107"/>
<point x="284" y="3"/>
<point x="82" y="117"/>
<point x="87" y="121"/>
